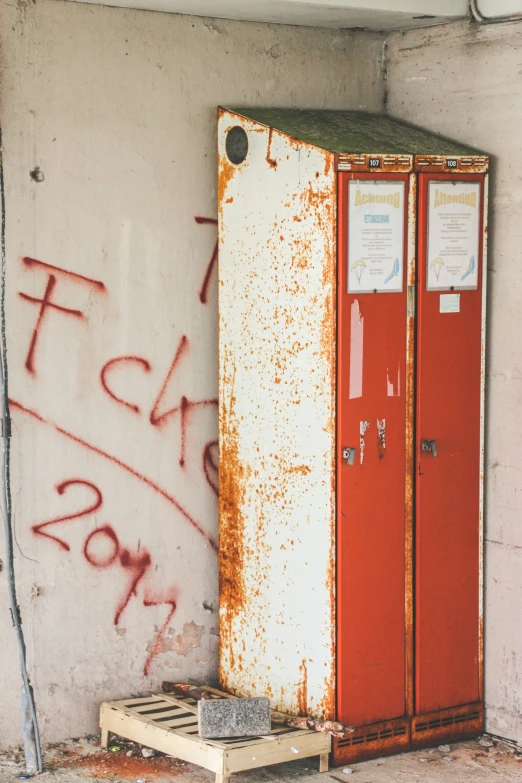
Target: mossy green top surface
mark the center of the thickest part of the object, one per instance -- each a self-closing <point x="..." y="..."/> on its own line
<point x="352" y="132"/>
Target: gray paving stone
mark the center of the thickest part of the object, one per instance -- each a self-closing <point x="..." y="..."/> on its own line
<point x="220" y="718"/>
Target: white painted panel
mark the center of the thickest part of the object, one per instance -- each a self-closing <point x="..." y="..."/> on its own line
<point x="277" y="365"/>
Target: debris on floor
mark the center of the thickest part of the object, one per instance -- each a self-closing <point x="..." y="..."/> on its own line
<point x="82" y="761"/>
<point x="185" y="689"/>
<point x="172" y="724"/>
<point x="196" y="692"/>
<point x="334" y="728"/>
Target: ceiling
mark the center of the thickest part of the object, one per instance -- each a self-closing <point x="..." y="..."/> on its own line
<point x="370" y="14"/>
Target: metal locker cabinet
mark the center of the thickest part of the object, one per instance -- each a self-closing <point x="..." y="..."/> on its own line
<point x="328" y="589"/>
<point x="371" y="511"/>
<point x="450" y="392"/>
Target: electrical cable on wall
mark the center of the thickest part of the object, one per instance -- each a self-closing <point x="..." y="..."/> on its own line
<point x="31" y="735"/>
<point x="477" y="15"/>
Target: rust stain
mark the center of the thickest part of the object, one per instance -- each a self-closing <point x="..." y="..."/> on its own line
<point x="329" y="161"/>
<point x="373" y="741"/>
<point x="318" y="201"/>
<point x="271" y="161"/>
<point x="302" y="258"/>
<point x="360" y="162"/>
<point x="449" y="725"/>
<point x="225" y="173"/>
<point x="409" y="442"/>
<point x="328" y="334"/>
<point x="232" y="480"/>
<point x="467" y="164"/>
<point x="266" y="483"/>
<point x="303" y="469"/>
<point x="410" y="459"/>
<point x="302" y="690"/>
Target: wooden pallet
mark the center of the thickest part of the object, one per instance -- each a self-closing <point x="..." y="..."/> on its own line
<point x="169" y="725"/>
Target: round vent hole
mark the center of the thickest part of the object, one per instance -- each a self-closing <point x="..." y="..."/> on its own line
<point x="236" y="145"/>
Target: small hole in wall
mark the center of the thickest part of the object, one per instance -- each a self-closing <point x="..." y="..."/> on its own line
<point x="36" y="174"/>
<point x="236" y="145"/>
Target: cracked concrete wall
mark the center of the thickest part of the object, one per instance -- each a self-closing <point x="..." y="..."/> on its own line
<point x="109" y="147"/>
<point x="464" y="81"/>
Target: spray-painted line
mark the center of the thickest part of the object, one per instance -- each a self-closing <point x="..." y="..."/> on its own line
<point x="149" y="482"/>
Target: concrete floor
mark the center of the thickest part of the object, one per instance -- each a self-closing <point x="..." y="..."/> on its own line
<point x="81" y="761"/>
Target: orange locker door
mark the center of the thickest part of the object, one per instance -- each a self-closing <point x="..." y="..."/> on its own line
<point x="371" y="454"/>
<point x="448" y="438"/>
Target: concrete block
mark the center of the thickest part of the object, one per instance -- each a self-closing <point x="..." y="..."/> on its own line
<point x="234" y="718"/>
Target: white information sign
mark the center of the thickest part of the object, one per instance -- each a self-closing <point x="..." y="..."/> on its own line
<point x="449" y="303"/>
<point x="375" y="235"/>
<point x="453" y="235"/>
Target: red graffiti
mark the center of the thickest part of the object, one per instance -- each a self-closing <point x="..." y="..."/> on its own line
<point x="149" y="482"/>
<point x="137" y="566"/>
<point x="61" y="488"/>
<point x="119" y="360"/>
<point x="47" y="303"/>
<point x="156" y="419"/>
<point x="184" y="406"/>
<point x="103" y="560"/>
<point x="35" y="262"/>
<point x="210" y="464"/>
<point x="156" y="646"/>
<point x="203" y="291"/>
<point x="102" y="549"/>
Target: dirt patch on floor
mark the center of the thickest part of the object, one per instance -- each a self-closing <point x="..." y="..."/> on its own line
<point x="118" y="765"/>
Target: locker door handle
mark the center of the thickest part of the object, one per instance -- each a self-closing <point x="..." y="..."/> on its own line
<point x="349" y="455"/>
<point x="429" y="445"/>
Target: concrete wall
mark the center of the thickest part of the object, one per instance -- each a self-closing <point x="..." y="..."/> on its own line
<point x="114" y="398"/>
<point x="464" y="81"/>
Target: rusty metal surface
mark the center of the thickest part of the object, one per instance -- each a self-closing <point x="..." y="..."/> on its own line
<point x="465" y="164"/>
<point x="372" y="741"/>
<point x="277" y="213"/>
<point x="410" y="456"/>
<point x="449" y="725"/>
<point x="482" y="428"/>
<point x="420" y="731"/>
<point x="361" y="162"/>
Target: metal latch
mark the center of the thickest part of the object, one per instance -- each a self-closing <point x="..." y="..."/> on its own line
<point x="429" y="445"/>
<point x="349" y="455"/>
